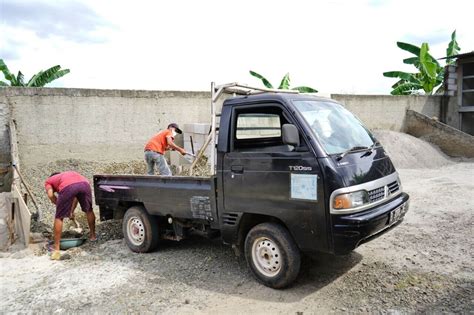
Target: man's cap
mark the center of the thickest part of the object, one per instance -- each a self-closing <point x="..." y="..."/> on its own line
<point x="175" y="126"/>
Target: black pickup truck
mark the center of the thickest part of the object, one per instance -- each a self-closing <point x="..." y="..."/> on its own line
<point x="294" y="173"/>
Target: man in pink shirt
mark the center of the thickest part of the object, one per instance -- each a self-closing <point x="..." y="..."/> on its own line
<point x="71" y="188"/>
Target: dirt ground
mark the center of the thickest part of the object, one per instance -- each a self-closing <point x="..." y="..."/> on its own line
<point x="424" y="265"/>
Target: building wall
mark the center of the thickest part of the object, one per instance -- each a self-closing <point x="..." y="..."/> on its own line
<point x="387" y="111"/>
<point x="102" y="125"/>
<point x="5" y="155"/>
<point x="114" y="125"/>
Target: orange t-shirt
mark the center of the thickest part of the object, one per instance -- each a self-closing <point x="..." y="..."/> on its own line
<point x="158" y="142"/>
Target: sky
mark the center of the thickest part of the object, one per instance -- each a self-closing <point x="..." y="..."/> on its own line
<point x="339" y="46"/>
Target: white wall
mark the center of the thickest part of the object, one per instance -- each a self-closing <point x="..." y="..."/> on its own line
<point x="102" y="125"/>
<point x="387" y="111"/>
<point x="114" y="125"/>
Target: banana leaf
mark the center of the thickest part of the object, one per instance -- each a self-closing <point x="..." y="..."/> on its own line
<point x="285" y="82"/>
<point x="20" y="79"/>
<point x="440" y="90"/>
<point x="401" y="81"/>
<point x="6" y="72"/>
<point x="428" y="87"/>
<point x="411" y="61"/>
<point x="409" y="47"/>
<point x="410" y="77"/>
<point x="32" y="81"/>
<point x="44" y="77"/>
<point x="453" y="49"/>
<point x="427" y="66"/>
<point x="305" y="89"/>
<point x="3" y="83"/>
<point x="261" y="77"/>
<point x="406" y="89"/>
<point x="57" y="75"/>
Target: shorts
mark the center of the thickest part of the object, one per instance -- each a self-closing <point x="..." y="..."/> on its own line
<point x="81" y="191"/>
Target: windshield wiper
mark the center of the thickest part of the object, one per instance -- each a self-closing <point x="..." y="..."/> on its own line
<point x="356" y="148"/>
<point x="369" y="152"/>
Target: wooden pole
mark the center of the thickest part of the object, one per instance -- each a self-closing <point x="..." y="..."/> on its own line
<point x="200" y="153"/>
<point x="28" y="190"/>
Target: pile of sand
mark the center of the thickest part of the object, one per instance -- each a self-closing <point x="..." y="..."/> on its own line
<point x="407" y="151"/>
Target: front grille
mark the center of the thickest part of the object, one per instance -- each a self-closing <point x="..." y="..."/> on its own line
<point x="376" y="194"/>
<point x="393" y="187"/>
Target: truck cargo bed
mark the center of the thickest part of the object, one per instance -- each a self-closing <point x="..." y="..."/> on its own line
<point x="176" y="196"/>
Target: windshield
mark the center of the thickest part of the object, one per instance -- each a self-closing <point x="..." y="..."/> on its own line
<point x="337" y="129"/>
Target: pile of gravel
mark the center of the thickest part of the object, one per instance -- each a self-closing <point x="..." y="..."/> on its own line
<point x="37" y="174"/>
<point x="407" y="151"/>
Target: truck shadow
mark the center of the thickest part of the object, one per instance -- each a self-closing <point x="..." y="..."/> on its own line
<point x="210" y="265"/>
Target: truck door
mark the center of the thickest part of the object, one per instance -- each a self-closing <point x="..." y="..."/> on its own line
<point x="262" y="175"/>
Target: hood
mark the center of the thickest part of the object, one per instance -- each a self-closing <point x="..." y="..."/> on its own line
<point x="355" y="168"/>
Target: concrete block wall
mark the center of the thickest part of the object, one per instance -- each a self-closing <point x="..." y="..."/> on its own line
<point x="388" y="111"/>
<point x="5" y="154"/>
<point x="5" y="201"/>
<point x="114" y="125"/>
<point x="99" y="125"/>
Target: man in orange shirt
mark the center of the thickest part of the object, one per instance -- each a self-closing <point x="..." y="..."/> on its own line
<point x="156" y="147"/>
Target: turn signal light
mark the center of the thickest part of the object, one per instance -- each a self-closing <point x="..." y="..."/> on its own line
<point x="342" y="202"/>
<point x="351" y="200"/>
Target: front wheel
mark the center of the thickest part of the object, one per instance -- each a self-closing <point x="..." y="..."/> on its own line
<point x="140" y="230"/>
<point x="272" y="255"/>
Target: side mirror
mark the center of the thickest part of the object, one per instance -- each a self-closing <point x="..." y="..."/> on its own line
<point x="290" y="135"/>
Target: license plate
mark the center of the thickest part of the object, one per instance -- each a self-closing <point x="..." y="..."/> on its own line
<point x="397" y="214"/>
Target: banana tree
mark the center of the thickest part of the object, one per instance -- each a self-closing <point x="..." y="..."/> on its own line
<point x="430" y="73"/>
<point x="40" y="79"/>
<point x="284" y="84"/>
<point x="453" y="49"/>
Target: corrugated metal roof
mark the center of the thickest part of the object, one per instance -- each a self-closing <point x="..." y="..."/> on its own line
<point x="460" y="56"/>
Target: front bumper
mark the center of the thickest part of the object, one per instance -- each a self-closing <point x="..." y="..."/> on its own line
<point x="351" y="230"/>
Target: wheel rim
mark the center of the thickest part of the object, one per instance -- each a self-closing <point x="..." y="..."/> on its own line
<point x="135" y="231"/>
<point x="266" y="256"/>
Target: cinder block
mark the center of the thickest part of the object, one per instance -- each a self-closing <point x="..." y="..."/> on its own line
<point x="197" y="138"/>
<point x="202" y="128"/>
<point x="451" y="68"/>
<point x="188" y="128"/>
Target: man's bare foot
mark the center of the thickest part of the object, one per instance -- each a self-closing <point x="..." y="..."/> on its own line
<point x="93" y="238"/>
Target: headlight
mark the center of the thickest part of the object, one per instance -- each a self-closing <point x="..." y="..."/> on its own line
<point x="351" y="200"/>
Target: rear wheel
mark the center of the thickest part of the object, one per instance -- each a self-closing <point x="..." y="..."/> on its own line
<point x="140" y="230"/>
<point x="272" y="255"/>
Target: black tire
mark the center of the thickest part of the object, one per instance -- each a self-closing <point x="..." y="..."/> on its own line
<point x="280" y="258"/>
<point x="140" y="230"/>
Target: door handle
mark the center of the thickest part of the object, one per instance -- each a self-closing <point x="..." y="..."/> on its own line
<point x="237" y="168"/>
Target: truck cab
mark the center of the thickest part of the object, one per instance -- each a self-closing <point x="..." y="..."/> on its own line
<point x="293" y="173"/>
<point x="309" y="163"/>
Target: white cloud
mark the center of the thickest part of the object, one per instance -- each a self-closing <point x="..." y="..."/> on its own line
<point x="334" y="46"/>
